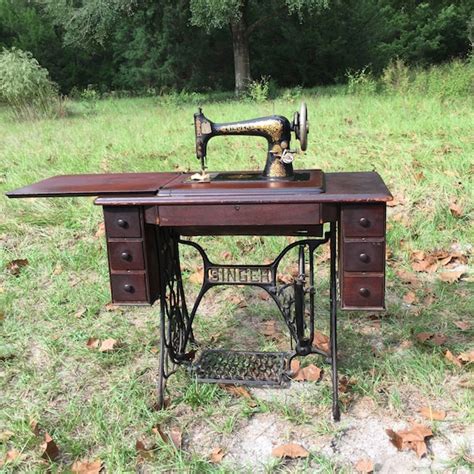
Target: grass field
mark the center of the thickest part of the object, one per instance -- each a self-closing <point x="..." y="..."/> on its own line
<point x="97" y="405"/>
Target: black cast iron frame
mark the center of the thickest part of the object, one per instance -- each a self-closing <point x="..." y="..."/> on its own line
<point x="177" y="322"/>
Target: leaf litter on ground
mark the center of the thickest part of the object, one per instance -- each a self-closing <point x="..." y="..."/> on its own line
<point x="412" y="438"/>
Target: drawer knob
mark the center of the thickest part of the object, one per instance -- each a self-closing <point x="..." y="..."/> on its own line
<point x="122" y="223"/>
<point x="364" y="222"/>
<point x="364" y="258"/>
<point x="128" y="288"/>
<point x="126" y="256"/>
<point x="364" y="292"/>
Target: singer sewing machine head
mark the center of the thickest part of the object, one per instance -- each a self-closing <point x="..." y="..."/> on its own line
<point x="275" y="128"/>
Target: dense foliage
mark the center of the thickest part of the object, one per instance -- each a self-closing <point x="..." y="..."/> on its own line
<point x="161" y="45"/>
<point x="25" y="86"/>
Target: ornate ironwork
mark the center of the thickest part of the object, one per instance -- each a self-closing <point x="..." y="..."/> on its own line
<point x="291" y="299"/>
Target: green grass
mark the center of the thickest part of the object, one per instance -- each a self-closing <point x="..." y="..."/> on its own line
<point x="96" y="405"/>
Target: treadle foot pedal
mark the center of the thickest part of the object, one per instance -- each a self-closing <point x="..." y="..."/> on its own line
<point x="242" y="367"/>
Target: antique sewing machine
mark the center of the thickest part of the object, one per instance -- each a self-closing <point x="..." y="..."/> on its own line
<point x="276" y="129"/>
<point x="148" y="217"/>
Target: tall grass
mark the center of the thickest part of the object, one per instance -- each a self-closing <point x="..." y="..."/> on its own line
<point x="453" y="79"/>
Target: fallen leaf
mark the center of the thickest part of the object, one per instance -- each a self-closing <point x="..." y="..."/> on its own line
<point x="285" y="278"/>
<point x="321" y="341"/>
<point x="80" y="312"/>
<point x="431" y="414"/>
<point x="238" y="300"/>
<point x="418" y="255"/>
<point x="100" y="230"/>
<point x="216" y="455"/>
<point x="419" y="176"/>
<point x="456" y="209"/>
<point x="5" y="436"/>
<point x="10" y="456"/>
<point x="290" y="450"/>
<point x="15" y="266"/>
<point x="270" y="329"/>
<point x="176" y="437"/>
<point x="429" y="300"/>
<point x="86" y="467"/>
<point x="439" y="339"/>
<point x="413" y="438"/>
<point x="108" y="345"/>
<point x="463" y="325"/>
<point x="2" y="315"/>
<point x="409" y="298"/>
<point x="364" y="466"/>
<point x="92" y="343"/>
<point x="406" y="344"/>
<point x="263" y="295"/>
<point x="143" y="452"/>
<point x="449" y="356"/>
<point x="157" y="430"/>
<point x="408" y="277"/>
<point x="425" y="266"/>
<point x="345" y="384"/>
<point x="236" y="390"/>
<point x="295" y="366"/>
<point x="226" y="255"/>
<point x="111" y="307"/>
<point x="58" y="269"/>
<point x="451" y="277"/>
<point x="466" y="356"/>
<point x="35" y="427"/>
<point x="197" y="277"/>
<point x="436" y="338"/>
<point x="49" y="448"/>
<point x="310" y="373"/>
<point x="444" y="261"/>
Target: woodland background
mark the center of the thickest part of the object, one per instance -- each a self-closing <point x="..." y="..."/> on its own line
<point x="154" y="46"/>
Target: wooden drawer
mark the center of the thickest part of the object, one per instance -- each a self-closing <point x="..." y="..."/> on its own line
<point x="121" y="221"/>
<point x="240" y="214"/>
<point x="363" y="292"/>
<point x="362" y="256"/>
<point x="126" y="255"/>
<point x="128" y="288"/>
<point x="363" y="220"/>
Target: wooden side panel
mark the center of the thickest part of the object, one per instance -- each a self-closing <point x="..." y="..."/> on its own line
<point x="131" y="247"/>
<point x="362" y="256"/>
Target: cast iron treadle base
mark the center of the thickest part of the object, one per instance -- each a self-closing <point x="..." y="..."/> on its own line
<point x="242" y="367"/>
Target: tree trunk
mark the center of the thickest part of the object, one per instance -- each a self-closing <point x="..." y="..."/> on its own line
<point x="241" y="54"/>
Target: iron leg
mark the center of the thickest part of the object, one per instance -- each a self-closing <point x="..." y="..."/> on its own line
<point x="161" y="386"/>
<point x="333" y="326"/>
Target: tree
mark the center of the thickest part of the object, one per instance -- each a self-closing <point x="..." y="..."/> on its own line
<point x="212" y="14"/>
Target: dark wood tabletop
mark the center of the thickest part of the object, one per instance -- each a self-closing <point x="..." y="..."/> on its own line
<point x="175" y="189"/>
<point x="95" y="185"/>
<point x="339" y="188"/>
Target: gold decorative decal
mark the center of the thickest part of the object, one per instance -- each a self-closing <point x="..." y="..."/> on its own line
<point x="206" y="127"/>
<point x="277" y="170"/>
<point x="239" y="275"/>
<point x="270" y="127"/>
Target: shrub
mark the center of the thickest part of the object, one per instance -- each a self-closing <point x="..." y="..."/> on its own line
<point x="183" y="97"/>
<point x="292" y="95"/>
<point x="396" y="77"/>
<point x="26" y="87"/>
<point x="454" y="79"/>
<point x="259" y="90"/>
<point x="361" y="82"/>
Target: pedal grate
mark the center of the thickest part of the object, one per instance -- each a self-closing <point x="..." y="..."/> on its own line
<point x="242" y="367"/>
